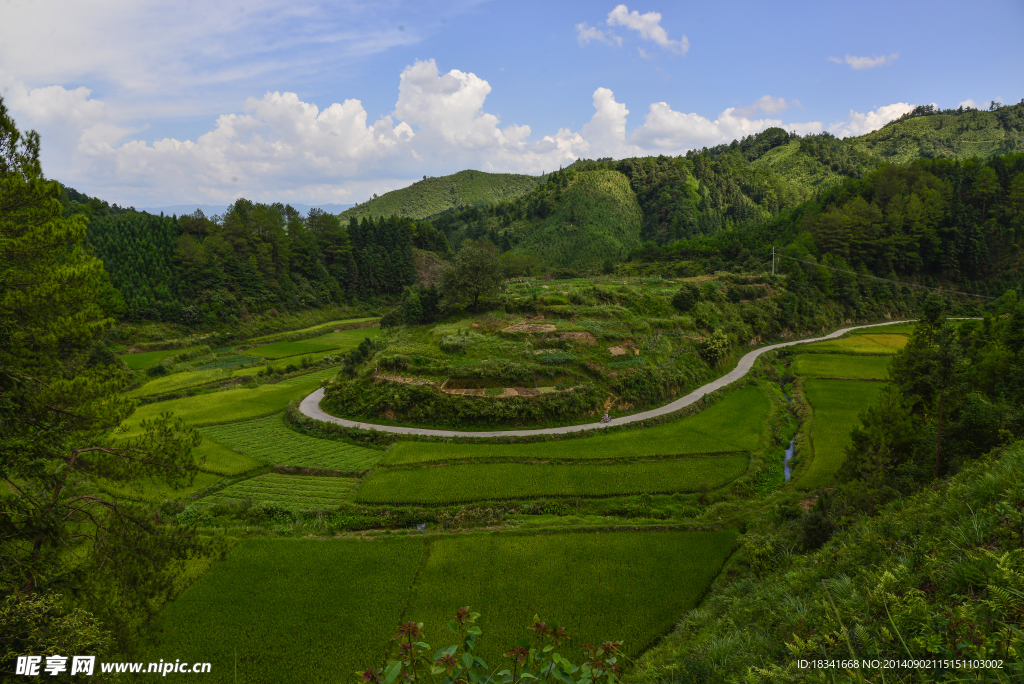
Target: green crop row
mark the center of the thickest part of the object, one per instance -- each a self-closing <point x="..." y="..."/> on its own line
<point x="836" y="405"/>
<point x="294" y="491"/>
<point x="442" y="485"/>
<point x="732" y="424"/>
<point x="269" y="440"/>
<point x="841" y="366"/>
<point x="222" y="460"/>
<point x="286" y="611"/>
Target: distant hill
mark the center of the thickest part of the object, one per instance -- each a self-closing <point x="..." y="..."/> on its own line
<point x="440" y="193"/>
<point x="219" y="209"/>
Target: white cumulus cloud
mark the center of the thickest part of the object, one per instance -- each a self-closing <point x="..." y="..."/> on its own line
<point x="279" y="147"/>
<point x="649" y="27"/>
<point x="671" y="132"/>
<point x="861" y="123"/>
<point x="586" y="33"/>
<point x="866" y="62"/>
<point x="969" y="104"/>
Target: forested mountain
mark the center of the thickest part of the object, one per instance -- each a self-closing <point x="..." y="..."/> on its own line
<point x="433" y="195"/>
<point x="913" y="199"/>
<point x="938" y="221"/>
<point x="746" y="183"/>
<point x="257" y="257"/>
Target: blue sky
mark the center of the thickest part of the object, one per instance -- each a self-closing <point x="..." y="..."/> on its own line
<point x="156" y="103"/>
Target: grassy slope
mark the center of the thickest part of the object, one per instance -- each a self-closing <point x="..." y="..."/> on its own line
<point x="434" y="195"/>
<point x="732" y="424"/>
<point x="933" y="575"/>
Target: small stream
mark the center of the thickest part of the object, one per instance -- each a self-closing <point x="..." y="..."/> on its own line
<point x="786" y="470"/>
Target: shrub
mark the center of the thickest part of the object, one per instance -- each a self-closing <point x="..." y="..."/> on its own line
<point x="714" y="348"/>
<point x="686" y="297"/>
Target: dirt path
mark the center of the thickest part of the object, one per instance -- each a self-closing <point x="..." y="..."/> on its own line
<point x="310" y="406"/>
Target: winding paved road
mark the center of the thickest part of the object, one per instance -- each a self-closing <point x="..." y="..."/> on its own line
<point x="310" y="406"/>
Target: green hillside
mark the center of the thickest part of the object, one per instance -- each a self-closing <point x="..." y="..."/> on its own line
<point x="433" y="195"/>
<point x="950" y="135"/>
<point x="597" y="218"/>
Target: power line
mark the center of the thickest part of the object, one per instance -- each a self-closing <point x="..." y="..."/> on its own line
<point x="888" y="280"/>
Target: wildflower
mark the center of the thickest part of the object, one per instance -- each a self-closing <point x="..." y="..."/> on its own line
<point x="462" y="615"/>
<point x="371" y="676"/>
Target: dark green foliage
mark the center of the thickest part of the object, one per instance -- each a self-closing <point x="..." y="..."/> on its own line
<point x="369" y="398"/>
<point x="686" y="297"/>
<point x="475" y="274"/>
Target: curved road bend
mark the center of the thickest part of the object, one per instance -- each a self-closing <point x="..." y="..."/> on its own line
<point x="310" y="406"/>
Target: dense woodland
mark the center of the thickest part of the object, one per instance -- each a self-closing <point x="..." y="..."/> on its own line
<point x="194" y="270"/>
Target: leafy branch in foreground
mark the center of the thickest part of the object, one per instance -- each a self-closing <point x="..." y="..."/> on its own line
<point x="533" y="658"/>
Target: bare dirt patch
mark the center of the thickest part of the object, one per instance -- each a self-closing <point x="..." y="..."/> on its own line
<point x="622" y="349"/>
<point x="581" y="337"/>
<point x="531" y="327"/>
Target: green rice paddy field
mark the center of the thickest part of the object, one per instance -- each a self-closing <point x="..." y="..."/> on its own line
<point x="300" y="610"/>
<point x="293" y="491"/>
<point x="439" y="485"/>
<point x="270" y="441"/>
<point x="836" y="404"/>
<point x="842" y="366"/>
<point x="864" y="343"/>
<point x="232" y="405"/>
<point x="732" y="424"/>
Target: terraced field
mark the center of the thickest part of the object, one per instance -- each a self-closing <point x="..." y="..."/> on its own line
<point x="864" y="343"/>
<point x="269" y="440"/>
<point x="836" y="404"/>
<point x="275" y="603"/>
<point x="305" y="492"/>
<point x="231" y="405"/>
<point x="842" y="366"/>
<point x="733" y="424"/>
<point x="440" y="485"/>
